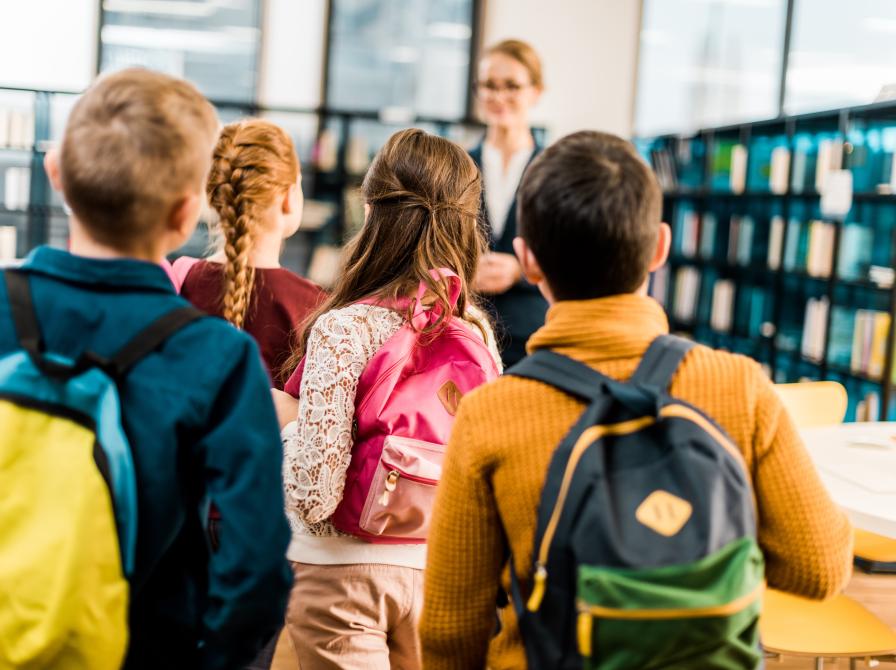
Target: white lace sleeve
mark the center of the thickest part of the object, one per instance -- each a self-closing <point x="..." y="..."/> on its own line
<point x="318" y="450"/>
<point x="490" y="340"/>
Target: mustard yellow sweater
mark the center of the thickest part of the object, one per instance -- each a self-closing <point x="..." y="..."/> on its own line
<point x="502" y="443"/>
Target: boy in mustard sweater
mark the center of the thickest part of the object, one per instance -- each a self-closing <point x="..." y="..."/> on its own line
<point x="590" y="229"/>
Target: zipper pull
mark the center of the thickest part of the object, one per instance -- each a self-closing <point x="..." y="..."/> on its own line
<point x="585" y="629"/>
<point x="541" y="577"/>
<point x="391" y="483"/>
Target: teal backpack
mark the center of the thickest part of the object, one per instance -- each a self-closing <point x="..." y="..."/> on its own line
<point x="645" y="550"/>
<point x="68" y="522"/>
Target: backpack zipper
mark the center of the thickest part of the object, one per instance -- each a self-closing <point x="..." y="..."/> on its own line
<point x="587" y="614"/>
<point x="392" y="478"/>
<point x="586" y="439"/>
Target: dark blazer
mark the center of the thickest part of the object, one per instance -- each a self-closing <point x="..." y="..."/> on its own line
<point x="521" y="310"/>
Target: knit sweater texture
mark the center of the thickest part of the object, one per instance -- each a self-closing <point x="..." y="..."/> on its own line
<point x="506" y="433"/>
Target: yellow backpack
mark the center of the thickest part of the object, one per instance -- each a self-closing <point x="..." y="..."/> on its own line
<point x="68" y="518"/>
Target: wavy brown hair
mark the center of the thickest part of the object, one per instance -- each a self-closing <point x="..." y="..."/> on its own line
<point x="254" y="164"/>
<point x="423" y="192"/>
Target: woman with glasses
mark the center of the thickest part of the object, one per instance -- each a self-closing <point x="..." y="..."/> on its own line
<point x="508" y="85"/>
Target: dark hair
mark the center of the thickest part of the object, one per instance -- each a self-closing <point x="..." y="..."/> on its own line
<point x="424" y="193"/>
<point x="589" y="209"/>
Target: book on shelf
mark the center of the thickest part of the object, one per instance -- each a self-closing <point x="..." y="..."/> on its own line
<point x="869" y="343"/>
<point x="689" y="233"/>
<point x="722" y="305"/>
<point x="745" y="231"/>
<point x="812" y="346"/>
<point x="820" y="252"/>
<point x="733" y="233"/>
<point x="663" y="163"/>
<point x="325" y="153"/>
<point x="7" y="243"/>
<point x="840" y="336"/>
<point x="800" y="161"/>
<point x="16" y="128"/>
<point x="16" y="187"/>
<point x="687" y="292"/>
<point x="357" y="155"/>
<point x="780" y="164"/>
<point x="829" y="158"/>
<point x="708" y="228"/>
<point x="659" y="284"/>
<point x="775" y="242"/>
<point x="868" y="409"/>
<point x="854" y="261"/>
<point x="757" y="325"/>
<point x="795" y="248"/>
<point x="729" y="166"/>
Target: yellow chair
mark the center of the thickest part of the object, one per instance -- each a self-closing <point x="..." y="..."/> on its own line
<point x="839" y="627"/>
<point x="823" y="404"/>
<point x="814" y="403"/>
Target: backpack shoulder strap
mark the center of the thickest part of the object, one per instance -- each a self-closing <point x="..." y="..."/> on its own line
<point x="149" y="339"/>
<point x="24" y="317"/>
<point x="561" y="372"/>
<point x="28" y="331"/>
<point x="660" y="362"/>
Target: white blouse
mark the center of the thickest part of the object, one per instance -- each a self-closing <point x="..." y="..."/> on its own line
<point x="500" y="184"/>
<point x="317" y="450"/>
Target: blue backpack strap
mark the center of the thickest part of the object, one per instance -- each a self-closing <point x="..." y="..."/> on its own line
<point x="660" y="362"/>
<point x="561" y="372"/>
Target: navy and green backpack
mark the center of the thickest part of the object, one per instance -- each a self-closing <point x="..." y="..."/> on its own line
<point x="645" y="549"/>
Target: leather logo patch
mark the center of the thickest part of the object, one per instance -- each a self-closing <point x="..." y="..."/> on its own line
<point x="664" y="513"/>
<point x="450" y="396"/>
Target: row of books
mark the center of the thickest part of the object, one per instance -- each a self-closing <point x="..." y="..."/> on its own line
<point x="763" y="166"/>
<point x="16" y="128"/>
<point x="793" y="245"/>
<point x="858" y="340"/>
<point x="871" y="158"/>
<point x="16" y="187"/>
<point x="679" y="165"/>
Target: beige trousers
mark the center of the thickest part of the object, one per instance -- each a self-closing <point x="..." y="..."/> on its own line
<point x="355" y="617"/>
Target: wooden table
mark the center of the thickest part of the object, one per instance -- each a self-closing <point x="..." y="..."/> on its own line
<point x="857" y="463"/>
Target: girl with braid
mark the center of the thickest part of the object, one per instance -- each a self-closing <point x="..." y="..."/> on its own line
<point x="255" y="187"/>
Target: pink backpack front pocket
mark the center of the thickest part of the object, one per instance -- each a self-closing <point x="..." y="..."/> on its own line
<point x="401" y="495"/>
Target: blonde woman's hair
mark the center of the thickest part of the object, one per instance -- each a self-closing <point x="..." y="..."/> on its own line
<point x="254" y="163"/>
<point x="524" y="54"/>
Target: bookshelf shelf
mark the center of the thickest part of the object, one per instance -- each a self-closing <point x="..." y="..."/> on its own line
<point x="752" y="252"/>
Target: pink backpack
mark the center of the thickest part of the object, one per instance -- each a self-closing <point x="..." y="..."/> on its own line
<point x="405" y="404"/>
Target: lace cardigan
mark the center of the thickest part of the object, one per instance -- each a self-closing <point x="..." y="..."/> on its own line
<point x="317" y="449"/>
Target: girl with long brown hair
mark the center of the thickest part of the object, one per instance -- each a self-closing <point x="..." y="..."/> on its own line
<point x="356" y="604"/>
<point x="255" y="188"/>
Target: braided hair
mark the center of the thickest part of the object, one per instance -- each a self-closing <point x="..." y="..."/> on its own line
<point x="254" y="163"/>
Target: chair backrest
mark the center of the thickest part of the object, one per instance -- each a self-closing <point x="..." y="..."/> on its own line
<point x="814" y="403"/>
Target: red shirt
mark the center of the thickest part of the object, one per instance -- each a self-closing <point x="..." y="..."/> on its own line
<point x="281" y="301"/>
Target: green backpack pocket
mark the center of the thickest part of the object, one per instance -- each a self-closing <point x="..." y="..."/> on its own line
<point x="629" y="618"/>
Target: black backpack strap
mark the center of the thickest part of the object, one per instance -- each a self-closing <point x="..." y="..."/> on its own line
<point x="660" y="362"/>
<point x="561" y="372"/>
<point x="149" y="339"/>
<point x="24" y="317"/>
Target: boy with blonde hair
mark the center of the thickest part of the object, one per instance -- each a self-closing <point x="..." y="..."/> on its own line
<point x="197" y="410"/>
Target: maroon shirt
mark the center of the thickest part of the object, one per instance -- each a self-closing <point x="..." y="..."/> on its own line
<point x="281" y="301"/>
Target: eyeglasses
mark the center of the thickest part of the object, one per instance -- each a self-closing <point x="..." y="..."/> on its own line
<point x="489" y="87"/>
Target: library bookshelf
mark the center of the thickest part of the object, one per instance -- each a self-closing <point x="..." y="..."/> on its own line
<point x="756" y="268"/>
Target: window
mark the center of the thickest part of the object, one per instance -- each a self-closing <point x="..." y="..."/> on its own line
<point x="408" y="56"/>
<point x="708" y="63"/>
<point x="212" y="43"/>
